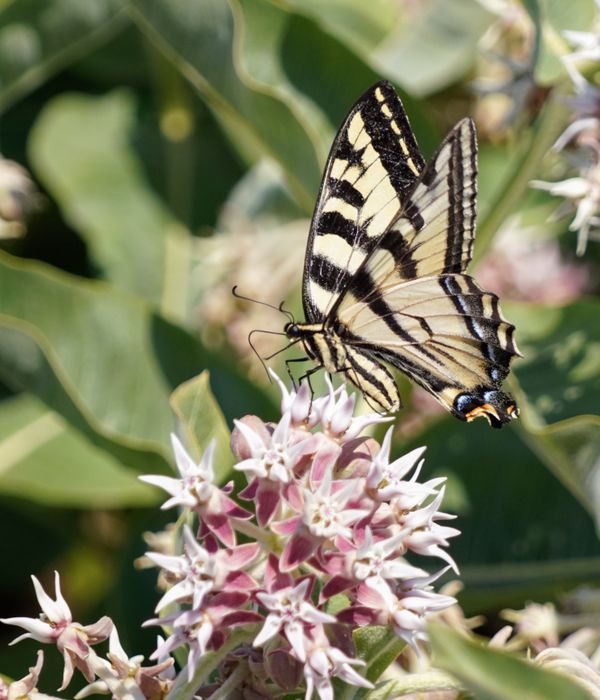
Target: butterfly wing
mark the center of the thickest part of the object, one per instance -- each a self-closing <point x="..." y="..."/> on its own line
<point x="444" y="332"/>
<point x="435" y="229"/>
<point x="374" y="162"/>
<point x="409" y="304"/>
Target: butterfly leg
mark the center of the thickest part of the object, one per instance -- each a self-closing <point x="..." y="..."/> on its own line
<point x="307" y="376"/>
<point x="289" y="371"/>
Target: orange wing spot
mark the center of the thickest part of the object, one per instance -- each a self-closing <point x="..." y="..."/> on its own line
<point x="484" y="410"/>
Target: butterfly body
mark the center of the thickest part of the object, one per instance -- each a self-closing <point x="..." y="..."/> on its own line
<point x="384" y="274"/>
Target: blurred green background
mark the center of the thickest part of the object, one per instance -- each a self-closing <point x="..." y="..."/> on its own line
<point x="173" y="148"/>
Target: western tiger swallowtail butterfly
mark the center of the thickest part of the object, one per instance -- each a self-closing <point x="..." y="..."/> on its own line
<point x="384" y="278"/>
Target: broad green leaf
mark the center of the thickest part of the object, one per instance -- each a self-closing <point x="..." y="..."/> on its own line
<point x="525" y="161"/>
<point x="109" y="354"/>
<point x="436" y="48"/>
<point x="490" y="587"/>
<point x="360" y="25"/>
<point x="262" y="29"/>
<point x="563" y="343"/>
<point x="202" y="40"/>
<point x="79" y="148"/>
<point x="39" y="39"/>
<point x="42" y="459"/>
<point x="423" y="51"/>
<point x="412" y="684"/>
<point x="495" y="675"/>
<point x="200" y="419"/>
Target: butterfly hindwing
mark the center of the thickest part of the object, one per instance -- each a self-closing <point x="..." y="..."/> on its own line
<point x="373" y="163"/>
<point x="444" y="332"/>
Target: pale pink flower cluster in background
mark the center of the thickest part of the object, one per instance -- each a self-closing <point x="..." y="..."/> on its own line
<point x="580" y="142"/>
<point x="330" y="515"/>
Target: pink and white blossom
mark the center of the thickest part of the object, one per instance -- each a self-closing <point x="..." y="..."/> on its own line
<point x="196" y="489"/>
<point x="56" y="626"/>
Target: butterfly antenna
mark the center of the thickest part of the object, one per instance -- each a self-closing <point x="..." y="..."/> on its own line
<point x="279" y="308"/>
<point x="262" y="359"/>
<point x="289" y="314"/>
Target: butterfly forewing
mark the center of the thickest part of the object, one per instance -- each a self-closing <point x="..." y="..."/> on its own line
<point x="435" y="229"/>
<point x="373" y="163"/>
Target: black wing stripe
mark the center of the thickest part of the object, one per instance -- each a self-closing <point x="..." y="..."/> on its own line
<point x="325" y="272"/>
<point x="369" y="377"/>
<point x="455" y="213"/>
<point x="334" y="222"/>
<point x="343" y="189"/>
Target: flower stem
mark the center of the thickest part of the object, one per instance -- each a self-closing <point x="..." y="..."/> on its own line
<point x="253" y="531"/>
<point x="524" y="168"/>
<point x="224" y="691"/>
<point x="184" y="690"/>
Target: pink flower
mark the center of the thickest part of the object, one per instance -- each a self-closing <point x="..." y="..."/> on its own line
<point x="26" y="687"/>
<point x="325" y="516"/>
<point x="196" y="490"/>
<point x="324" y="661"/>
<point x="204" y="627"/>
<point x="291" y="612"/>
<point x="56" y="626"/>
<point x="121" y="674"/>
<point x="403" y="607"/>
<point x="298" y="405"/>
<point x="198" y="571"/>
<point x="270" y="466"/>
<point x="336" y="415"/>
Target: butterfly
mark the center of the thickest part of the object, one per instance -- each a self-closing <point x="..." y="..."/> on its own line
<point x="384" y="278"/>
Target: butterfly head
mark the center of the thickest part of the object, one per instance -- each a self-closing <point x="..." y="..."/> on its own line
<point x="292" y="330"/>
<point x="495" y="406"/>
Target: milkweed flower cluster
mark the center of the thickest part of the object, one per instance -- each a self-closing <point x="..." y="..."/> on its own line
<point x="272" y="591"/>
<point x="333" y="515"/>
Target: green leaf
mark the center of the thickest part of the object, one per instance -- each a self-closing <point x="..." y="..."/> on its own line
<point x="79" y="148"/>
<point x="556" y="16"/>
<point x="562" y="342"/>
<point x="411" y="684"/>
<point x="360" y="25"/>
<point x="378" y="647"/>
<point x="107" y="356"/>
<point x="43" y="459"/>
<point x="437" y="48"/>
<point x="423" y="52"/>
<point x="201" y="421"/>
<point x="38" y="40"/>
<point x="496" y="675"/>
<point x="502" y="200"/>
<point x="202" y="41"/>
<point x="490" y="587"/>
<point x="559" y="418"/>
<point x="263" y="29"/>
